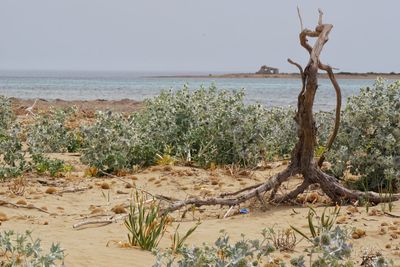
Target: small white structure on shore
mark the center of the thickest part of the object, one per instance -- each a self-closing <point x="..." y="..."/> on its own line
<point x="267" y="70"/>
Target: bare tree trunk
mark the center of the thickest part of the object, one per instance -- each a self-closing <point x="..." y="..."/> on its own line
<point x="303" y="153"/>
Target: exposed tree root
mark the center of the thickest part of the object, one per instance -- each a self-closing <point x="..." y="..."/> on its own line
<point x="303" y="153"/>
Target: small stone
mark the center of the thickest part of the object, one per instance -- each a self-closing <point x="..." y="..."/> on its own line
<point x="51" y="190"/>
<point x="21" y="202"/>
<point x="358" y="233"/>
<point x="105" y="186"/>
<point x="3" y="217"/>
<point x="118" y="209"/>
<point x="97" y="210"/>
<point x="388" y="246"/>
<point x="341" y="220"/>
<point x="45" y="223"/>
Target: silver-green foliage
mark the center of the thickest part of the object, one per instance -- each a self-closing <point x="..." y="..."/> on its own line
<point x="332" y="248"/>
<point x="368" y="143"/>
<point x="12" y="161"/>
<point x="213" y="126"/>
<point x="49" y="133"/>
<point x="22" y="250"/>
<point x="6" y="114"/>
<point x="223" y="253"/>
<point x="204" y="126"/>
<point x="108" y="144"/>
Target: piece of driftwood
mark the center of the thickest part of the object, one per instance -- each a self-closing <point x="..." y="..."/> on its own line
<point x="302" y="157"/>
<point x="31" y="207"/>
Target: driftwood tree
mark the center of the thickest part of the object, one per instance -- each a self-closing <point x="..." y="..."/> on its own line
<point x="302" y="161"/>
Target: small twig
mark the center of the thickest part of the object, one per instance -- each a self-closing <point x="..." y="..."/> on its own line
<point x="31" y="207"/>
<point x="241" y="190"/>
<point x="103" y="222"/>
<point x="391" y="214"/>
<point x="108" y="220"/>
<point x="228" y="212"/>
<point x="320" y="16"/>
<point x="73" y="190"/>
<point x="301" y="20"/>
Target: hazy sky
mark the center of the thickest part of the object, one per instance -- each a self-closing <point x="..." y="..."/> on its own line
<point x="188" y="35"/>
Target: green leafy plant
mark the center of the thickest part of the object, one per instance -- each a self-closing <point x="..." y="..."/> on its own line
<point x="110" y="142"/>
<point x="145" y="223"/>
<point x="12" y="157"/>
<point x="324" y="224"/>
<point x="178" y="241"/>
<point x="223" y="253"/>
<point x="54" y="167"/>
<point x="22" y="250"/>
<point x="368" y="142"/>
<point x="7" y="116"/>
<point x="50" y="134"/>
<point x="331" y="248"/>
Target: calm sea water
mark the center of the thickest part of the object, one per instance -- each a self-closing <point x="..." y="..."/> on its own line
<point x="137" y="86"/>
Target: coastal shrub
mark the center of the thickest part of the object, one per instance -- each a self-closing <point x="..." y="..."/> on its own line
<point x="22" y="250"/>
<point x="223" y="253"/>
<point x="109" y="143"/>
<point x="205" y="126"/>
<point x="54" y="167"/>
<point x="368" y="143"/>
<point x="6" y="114"/>
<point x="50" y="134"/>
<point x="213" y="126"/>
<point x="12" y="156"/>
<point x="332" y="248"/>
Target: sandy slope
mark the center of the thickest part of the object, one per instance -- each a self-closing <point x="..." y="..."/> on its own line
<point x="88" y="246"/>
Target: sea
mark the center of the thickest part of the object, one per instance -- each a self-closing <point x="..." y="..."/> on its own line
<point x="270" y="92"/>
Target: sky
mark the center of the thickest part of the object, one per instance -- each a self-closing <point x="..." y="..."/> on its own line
<point x="193" y="36"/>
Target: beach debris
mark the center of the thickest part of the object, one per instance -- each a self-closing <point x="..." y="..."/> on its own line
<point x="244" y="211"/>
<point x="228" y="212"/>
<point x="30" y="206"/>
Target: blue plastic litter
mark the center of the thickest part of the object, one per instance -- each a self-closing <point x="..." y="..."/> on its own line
<point x="244" y="211"/>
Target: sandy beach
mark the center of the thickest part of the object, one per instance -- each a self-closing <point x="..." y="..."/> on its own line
<point x="96" y="245"/>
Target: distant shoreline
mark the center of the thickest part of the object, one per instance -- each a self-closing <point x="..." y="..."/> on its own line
<point x="365" y="76"/>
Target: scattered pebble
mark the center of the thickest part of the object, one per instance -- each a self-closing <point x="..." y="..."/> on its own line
<point x="358" y="233"/>
<point x="3" y="217"/>
<point x="51" y="190"/>
<point x="105" y="186"/>
<point x="97" y="210"/>
<point x="118" y="209"/>
<point x="22" y="202"/>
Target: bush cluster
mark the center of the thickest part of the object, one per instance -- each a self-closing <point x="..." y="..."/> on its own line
<point x="12" y="158"/>
<point x="50" y="134"/>
<point x="368" y="143"/>
<point x="214" y="127"/>
<point x="204" y="126"/>
<point x="22" y="250"/>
